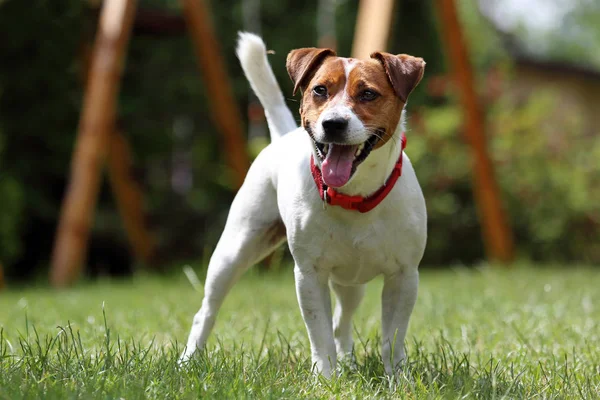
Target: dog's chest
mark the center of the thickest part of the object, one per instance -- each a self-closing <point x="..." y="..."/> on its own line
<point x="348" y="246"/>
<point x="351" y="252"/>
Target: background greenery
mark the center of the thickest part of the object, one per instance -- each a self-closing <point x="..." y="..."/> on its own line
<point x="552" y="199"/>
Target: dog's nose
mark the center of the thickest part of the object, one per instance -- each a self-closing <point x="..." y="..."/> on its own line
<point x="335" y="128"/>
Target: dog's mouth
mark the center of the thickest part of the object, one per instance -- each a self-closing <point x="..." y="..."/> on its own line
<point x="339" y="161"/>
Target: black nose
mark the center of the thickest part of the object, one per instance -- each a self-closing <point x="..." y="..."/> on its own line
<point x="335" y="128"/>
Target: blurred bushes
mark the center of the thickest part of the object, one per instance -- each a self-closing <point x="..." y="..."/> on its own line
<point x="441" y="160"/>
<point x="39" y="105"/>
<point x="547" y="167"/>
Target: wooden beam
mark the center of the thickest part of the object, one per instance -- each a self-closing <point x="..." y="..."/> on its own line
<point x="496" y="231"/>
<point x="373" y="24"/>
<point x="128" y="196"/>
<point x="97" y="121"/>
<point x="223" y="107"/>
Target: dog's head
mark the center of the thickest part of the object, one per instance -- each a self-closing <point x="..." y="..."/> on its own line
<point x="350" y="107"/>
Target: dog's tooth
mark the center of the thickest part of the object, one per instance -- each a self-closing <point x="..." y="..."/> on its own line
<point x="362" y="146"/>
<point x="325" y="148"/>
<point x="358" y="151"/>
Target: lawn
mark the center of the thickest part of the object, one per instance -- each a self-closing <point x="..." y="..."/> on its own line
<point x="488" y="333"/>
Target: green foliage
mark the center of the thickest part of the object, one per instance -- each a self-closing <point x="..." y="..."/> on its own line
<point x="120" y="340"/>
<point x="574" y="39"/>
<point x="485" y="46"/>
<point x="579" y="33"/>
<point x="549" y="170"/>
<point x="442" y="162"/>
<point x="39" y="102"/>
<point x="414" y="32"/>
<point x="546" y="164"/>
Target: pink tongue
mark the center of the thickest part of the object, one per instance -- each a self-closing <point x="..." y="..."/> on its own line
<point x="337" y="166"/>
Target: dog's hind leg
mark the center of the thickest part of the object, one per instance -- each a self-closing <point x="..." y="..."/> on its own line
<point x="347" y="301"/>
<point x="252" y="231"/>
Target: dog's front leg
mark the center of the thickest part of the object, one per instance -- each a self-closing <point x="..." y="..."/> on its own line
<point x="315" y="305"/>
<point x="398" y="299"/>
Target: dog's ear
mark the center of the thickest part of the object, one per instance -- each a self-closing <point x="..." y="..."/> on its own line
<point x="301" y="64"/>
<point x="403" y="71"/>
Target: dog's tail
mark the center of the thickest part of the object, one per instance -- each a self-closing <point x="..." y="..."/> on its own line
<point x="252" y="53"/>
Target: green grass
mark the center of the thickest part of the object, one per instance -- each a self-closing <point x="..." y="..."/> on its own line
<point x="521" y="333"/>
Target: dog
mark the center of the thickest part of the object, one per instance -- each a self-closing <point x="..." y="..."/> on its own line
<point x="339" y="189"/>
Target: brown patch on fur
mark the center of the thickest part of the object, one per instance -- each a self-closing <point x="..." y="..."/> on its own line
<point x="302" y="63"/>
<point x="331" y="75"/>
<point x="383" y="113"/>
<point x="404" y="71"/>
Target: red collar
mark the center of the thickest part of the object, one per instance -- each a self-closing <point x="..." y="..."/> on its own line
<point x="358" y="203"/>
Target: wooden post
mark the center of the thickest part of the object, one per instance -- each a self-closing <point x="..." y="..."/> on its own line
<point x="223" y="107"/>
<point x="372" y="27"/>
<point x="496" y="232"/>
<point x="97" y="121"/>
<point x="128" y="196"/>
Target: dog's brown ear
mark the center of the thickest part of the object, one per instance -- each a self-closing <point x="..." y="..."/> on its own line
<point x="301" y="64"/>
<point x="403" y="71"/>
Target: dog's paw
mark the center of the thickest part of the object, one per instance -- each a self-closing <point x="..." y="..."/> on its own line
<point x="347" y="361"/>
<point x="324" y="368"/>
<point x="393" y="363"/>
<point x="185" y="357"/>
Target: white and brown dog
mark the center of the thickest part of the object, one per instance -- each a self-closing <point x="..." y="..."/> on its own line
<point x="341" y="191"/>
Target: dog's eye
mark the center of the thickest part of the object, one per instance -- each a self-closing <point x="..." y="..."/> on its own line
<point x="368" y="95"/>
<point x="320" y="90"/>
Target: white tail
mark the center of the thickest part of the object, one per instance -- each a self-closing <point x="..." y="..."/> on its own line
<point x="252" y="53"/>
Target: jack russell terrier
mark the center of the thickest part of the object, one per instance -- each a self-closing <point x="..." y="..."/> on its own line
<point x="339" y="188"/>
